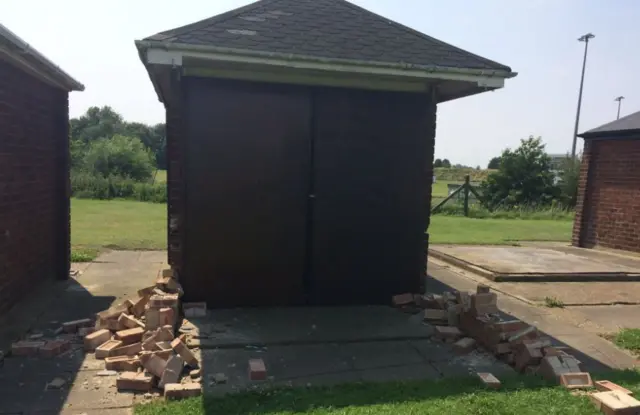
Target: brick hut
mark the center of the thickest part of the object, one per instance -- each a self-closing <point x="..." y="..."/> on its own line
<point x="608" y="206"/>
<point x="34" y="168"/>
<point x="300" y="138"/>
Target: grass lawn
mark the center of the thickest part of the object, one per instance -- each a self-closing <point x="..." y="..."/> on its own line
<point x="521" y="395"/>
<point x="628" y="339"/>
<point x="117" y="224"/>
<point x="160" y="176"/>
<point x="120" y="224"/>
<point x="461" y="230"/>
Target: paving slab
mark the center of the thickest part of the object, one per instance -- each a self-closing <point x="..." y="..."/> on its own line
<point x="553" y="263"/>
<point x="612" y="318"/>
<point x="576" y="293"/>
<point x="282" y="326"/>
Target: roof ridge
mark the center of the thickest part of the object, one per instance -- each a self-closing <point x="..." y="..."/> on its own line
<point x="417" y="32"/>
<point x="209" y="21"/>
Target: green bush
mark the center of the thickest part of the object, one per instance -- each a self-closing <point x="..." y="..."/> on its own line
<point x="120" y="156"/>
<point x="85" y="185"/>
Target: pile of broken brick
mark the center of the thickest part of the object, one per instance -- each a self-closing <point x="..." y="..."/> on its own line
<point x="137" y="338"/>
<point x="471" y="320"/>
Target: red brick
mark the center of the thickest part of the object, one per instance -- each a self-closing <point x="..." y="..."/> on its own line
<point x="257" y="369"/>
<point x="122" y="363"/>
<point x="193" y="310"/>
<point x="444" y="332"/>
<point x="615" y="403"/>
<point x="137" y="309"/>
<point x="490" y="380"/>
<point x="72" y="326"/>
<point x="181" y="391"/>
<point x="130" y="336"/>
<point x="608" y="386"/>
<point x="172" y="371"/>
<point x="167" y="316"/>
<point x="155" y="365"/>
<point x="105" y="348"/>
<point x="483" y="289"/>
<point x="576" y="380"/>
<point x="184" y="352"/>
<point x="128" y="322"/>
<point x="95" y="339"/>
<point x="126" y="350"/>
<point x="402" y="299"/>
<point x="134" y="381"/>
<point x="162" y="301"/>
<point x="54" y="348"/>
<point x="431" y="314"/>
<point x="464" y="345"/>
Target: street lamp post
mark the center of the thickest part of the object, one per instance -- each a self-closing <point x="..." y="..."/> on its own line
<point x="619" y="99"/>
<point x="585" y="39"/>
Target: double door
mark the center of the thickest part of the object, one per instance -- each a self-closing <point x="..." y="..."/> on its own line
<point x="299" y="195"/>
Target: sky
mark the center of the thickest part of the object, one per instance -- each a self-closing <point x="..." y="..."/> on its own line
<point x="93" y="41"/>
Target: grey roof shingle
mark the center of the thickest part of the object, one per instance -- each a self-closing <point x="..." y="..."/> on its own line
<point x="331" y="29"/>
<point x="629" y="124"/>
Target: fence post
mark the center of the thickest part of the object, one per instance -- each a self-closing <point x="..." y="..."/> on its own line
<point x="466" y="195"/>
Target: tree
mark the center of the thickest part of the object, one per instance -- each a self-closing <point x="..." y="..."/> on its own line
<point x="569" y="177"/>
<point x="446" y="163"/>
<point x="494" y="163"/>
<point x="523" y="177"/>
<point x="119" y="156"/>
<point x="437" y="163"/>
<point x="104" y="123"/>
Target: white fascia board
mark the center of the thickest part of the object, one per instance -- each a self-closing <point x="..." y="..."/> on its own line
<point x="157" y="56"/>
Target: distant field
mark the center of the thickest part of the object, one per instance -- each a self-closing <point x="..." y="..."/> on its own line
<point x="160" y="176"/>
<point x="457" y="175"/>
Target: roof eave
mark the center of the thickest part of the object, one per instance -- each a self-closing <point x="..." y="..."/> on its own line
<point x="143" y="45"/>
<point x="23" y="51"/>
<point x="610" y="134"/>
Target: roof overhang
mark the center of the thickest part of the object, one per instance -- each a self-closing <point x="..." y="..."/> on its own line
<point x="16" y="51"/>
<point x="612" y="135"/>
<point x="211" y="61"/>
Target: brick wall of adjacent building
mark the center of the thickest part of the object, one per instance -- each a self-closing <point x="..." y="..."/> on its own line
<point x="608" y="206"/>
<point x="34" y="210"/>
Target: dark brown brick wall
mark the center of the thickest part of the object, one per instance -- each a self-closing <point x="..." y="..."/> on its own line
<point x="175" y="173"/>
<point x="608" y="208"/>
<point x="34" y="214"/>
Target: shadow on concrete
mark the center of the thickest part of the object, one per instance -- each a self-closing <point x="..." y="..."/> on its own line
<point x="23" y="380"/>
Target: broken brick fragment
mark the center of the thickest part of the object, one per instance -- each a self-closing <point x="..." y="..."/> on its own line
<point x="445" y="332"/>
<point x="172" y="371"/>
<point x="155" y="365"/>
<point x="608" y="386"/>
<point x="464" y="345"/>
<point x="615" y="402"/>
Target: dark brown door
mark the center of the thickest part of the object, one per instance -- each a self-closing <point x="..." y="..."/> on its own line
<point x="247" y="192"/>
<point x="370" y="209"/>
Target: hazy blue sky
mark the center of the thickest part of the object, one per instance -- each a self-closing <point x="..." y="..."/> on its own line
<point x="93" y="41"/>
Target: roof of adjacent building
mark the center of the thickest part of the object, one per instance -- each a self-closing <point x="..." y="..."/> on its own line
<point x="330" y="29"/>
<point x="625" y="126"/>
<point x="17" y="49"/>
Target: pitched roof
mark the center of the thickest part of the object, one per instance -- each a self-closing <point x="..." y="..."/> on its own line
<point x="332" y="29"/>
<point x="18" y="49"/>
<point x="624" y="126"/>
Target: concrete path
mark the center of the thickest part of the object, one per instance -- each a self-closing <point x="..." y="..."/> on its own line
<point x="563" y="325"/>
<point x="112" y="278"/>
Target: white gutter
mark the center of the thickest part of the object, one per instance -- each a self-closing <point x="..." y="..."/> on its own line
<point x="158" y="52"/>
<point x="29" y="53"/>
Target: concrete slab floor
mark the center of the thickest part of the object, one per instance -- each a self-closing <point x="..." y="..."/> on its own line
<point x="576" y="293"/>
<point x="307" y="325"/>
<point x="540" y="260"/>
<point x="612" y="318"/>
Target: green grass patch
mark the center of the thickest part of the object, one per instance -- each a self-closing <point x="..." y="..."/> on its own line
<point x="553" y="302"/>
<point x="628" y="339"/>
<point x="519" y="395"/>
<point x="79" y="254"/>
<point x="453" y="174"/>
<point x="461" y="230"/>
<point x="117" y="224"/>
